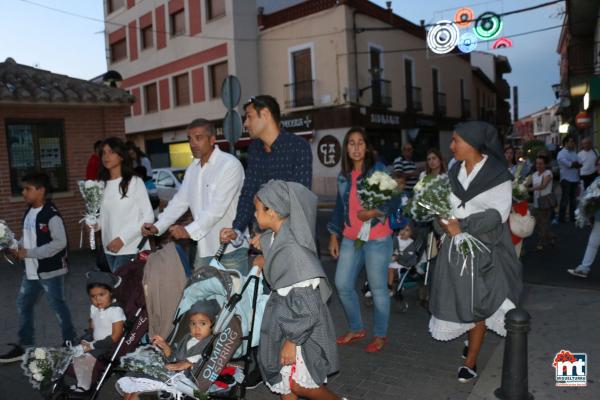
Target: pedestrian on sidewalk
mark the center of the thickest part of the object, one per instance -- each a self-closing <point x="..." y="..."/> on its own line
<point x="481" y="199"/>
<point x="588" y="156"/>
<point x="583" y="269"/>
<point x="297" y="338"/>
<point x="544" y="201"/>
<point x="125" y="205"/>
<point x="509" y="154"/>
<point x="375" y="254"/>
<point x="569" y="164"/>
<point x="138" y="157"/>
<point x="273" y="153"/>
<point x="405" y="166"/>
<point x="93" y="165"/>
<point x="44" y="249"/>
<point x="210" y="190"/>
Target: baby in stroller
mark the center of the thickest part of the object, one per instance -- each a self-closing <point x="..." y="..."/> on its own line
<point x="106" y="327"/>
<point x="182" y="356"/>
<point x="404" y="256"/>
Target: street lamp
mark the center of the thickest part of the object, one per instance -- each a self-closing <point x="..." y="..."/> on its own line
<point x="586" y="100"/>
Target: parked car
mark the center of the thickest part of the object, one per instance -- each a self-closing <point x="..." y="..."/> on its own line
<point x="167" y="181"/>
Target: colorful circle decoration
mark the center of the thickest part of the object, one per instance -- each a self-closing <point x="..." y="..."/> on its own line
<point x="467" y="42"/>
<point x="463" y="17"/>
<point x="442" y="38"/>
<point x="488" y="26"/>
<point x="502" y="43"/>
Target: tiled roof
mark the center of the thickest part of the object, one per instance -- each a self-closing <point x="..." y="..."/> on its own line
<point x="25" y="84"/>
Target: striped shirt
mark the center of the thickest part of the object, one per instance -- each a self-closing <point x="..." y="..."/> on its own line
<point x="406" y="166"/>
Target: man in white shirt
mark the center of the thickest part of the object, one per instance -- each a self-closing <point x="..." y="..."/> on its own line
<point x="587" y="157"/>
<point x="210" y="189"/>
<point x="569" y="178"/>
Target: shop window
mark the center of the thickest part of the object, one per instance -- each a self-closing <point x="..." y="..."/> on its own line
<point x="36" y="146"/>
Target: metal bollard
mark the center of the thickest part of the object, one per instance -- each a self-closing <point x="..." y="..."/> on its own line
<point x="514" y="385"/>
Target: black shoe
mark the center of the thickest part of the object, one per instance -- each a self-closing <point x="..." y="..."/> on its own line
<point x="253" y="380"/>
<point x="465" y="350"/>
<point x="16" y="354"/>
<point x="466" y="374"/>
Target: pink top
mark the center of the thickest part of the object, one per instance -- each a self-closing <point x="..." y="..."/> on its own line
<point x="351" y="231"/>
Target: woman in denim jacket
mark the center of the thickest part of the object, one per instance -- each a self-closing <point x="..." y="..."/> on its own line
<point x="346" y="221"/>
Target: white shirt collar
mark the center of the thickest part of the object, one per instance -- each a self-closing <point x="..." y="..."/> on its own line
<point x="213" y="156"/>
<point x="465" y="179"/>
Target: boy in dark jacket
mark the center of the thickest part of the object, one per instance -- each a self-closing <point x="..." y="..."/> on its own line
<point x="44" y="250"/>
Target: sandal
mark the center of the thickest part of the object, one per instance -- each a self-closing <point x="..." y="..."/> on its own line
<point x="344" y="339"/>
<point x="376" y="345"/>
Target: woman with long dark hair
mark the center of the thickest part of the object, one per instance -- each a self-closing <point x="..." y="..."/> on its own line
<point x="434" y="164"/>
<point x="125" y="205"/>
<point x="138" y="157"/>
<point x="474" y="291"/>
<point x="347" y="219"/>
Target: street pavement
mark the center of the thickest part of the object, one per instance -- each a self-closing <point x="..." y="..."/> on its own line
<point x="564" y="313"/>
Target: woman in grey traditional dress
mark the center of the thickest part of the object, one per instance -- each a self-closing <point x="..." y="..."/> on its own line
<point x="474" y="292"/>
<point x="297" y="346"/>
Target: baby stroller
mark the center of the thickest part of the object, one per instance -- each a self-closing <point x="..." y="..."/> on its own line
<point x="130" y="295"/>
<point x="234" y="331"/>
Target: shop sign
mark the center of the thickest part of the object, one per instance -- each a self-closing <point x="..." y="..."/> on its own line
<point x="297" y="123"/>
<point x="329" y="151"/>
<point x="384" y="119"/>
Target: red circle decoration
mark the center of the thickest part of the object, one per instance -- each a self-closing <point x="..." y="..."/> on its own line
<point x="463" y="17"/>
<point x="502" y="43"/>
<point x="583" y="120"/>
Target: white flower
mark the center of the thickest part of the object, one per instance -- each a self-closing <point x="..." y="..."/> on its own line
<point x="34" y="368"/>
<point x="39" y="353"/>
<point x="387" y="183"/>
<point x="38" y="377"/>
<point x="419" y="186"/>
<point x="89" y="184"/>
<point x="2" y="230"/>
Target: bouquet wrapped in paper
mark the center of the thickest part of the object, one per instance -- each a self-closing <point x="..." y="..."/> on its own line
<point x="519" y="188"/>
<point x="7" y="239"/>
<point x="44" y="365"/>
<point x="92" y="192"/>
<point x="374" y="191"/>
<point x="588" y="205"/>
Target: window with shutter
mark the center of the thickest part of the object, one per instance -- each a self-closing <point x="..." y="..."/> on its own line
<point x="218" y="73"/>
<point x="216" y="8"/>
<point x="178" y="23"/>
<point x="303" y="82"/>
<point x="151" y="98"/>
<point x="182" y="90"/>
<point x="118" y="50"/>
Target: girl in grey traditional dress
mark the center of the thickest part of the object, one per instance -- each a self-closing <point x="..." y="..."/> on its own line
<point x="481" y="199"/>
<point x="297" y="346"/>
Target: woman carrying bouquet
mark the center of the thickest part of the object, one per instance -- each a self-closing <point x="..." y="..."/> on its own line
<point x="125" y="205"/>
<point x="591" y="250"/>
<point x="375" y="253"/>
<point x="473" y="290"/>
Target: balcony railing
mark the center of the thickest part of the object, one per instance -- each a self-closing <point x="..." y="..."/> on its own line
<point x="439" y="103"/>
<point x="465" y="110"/>
<point x="414" y="102"/>
<point x="299" y="94"/>
<point x="381" y="93"/>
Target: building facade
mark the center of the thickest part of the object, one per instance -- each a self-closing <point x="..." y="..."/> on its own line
<point x="49" y="122"/>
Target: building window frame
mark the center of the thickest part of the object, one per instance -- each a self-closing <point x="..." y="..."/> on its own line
<point x="210" y="69"/>
<point x="143" y="44"/>
<point x="121" y="42"/>
<point x="172" y="23"/>
<point x="44" y="147"/>
<point x="209" y="14"/>
<point x="147" y="108"/>
<point x="176" y="88"/>
<point x="381" y="57"/>
<point x="110" y="8"/>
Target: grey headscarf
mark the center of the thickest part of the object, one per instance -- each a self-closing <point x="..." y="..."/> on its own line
<point x="293" y="201"/>
<point x="483" y="137"/>
<point x="291" y="257"/>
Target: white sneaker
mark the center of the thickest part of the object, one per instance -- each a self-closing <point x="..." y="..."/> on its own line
<point x="578" y="272"/>
<point x="368" y="294"/>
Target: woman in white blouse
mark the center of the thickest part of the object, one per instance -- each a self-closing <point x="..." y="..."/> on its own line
<point x="125" y="205"/>
<point x="541" y="186"/>
<point x="473" y="292"/>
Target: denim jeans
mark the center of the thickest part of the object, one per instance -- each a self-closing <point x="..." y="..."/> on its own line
<point x="592" y="248"/>
<point x="114" y="262"/>
<point x="28" y="294"/>
<point x="375" y="255"/>
<point x="237" y="259"/>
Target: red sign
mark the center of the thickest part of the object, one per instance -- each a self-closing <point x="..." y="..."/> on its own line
<point x="583" y="120"/>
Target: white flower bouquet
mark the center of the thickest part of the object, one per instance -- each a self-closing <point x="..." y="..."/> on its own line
<point x="43" y="365"/>
<point x="519" y="188"/>
<point x="373" y="192"/>
<point x="588" y="205"/>
<point x="92" y="192"/>
<point x="7" y="239"/>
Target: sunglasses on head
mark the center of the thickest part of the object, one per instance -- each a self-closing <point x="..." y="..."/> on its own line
<point x="256" y="102"/>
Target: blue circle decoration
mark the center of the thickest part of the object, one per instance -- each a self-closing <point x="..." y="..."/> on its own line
<point x="467" y="42"/>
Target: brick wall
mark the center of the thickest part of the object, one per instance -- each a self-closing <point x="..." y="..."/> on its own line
<point x="82" y="127"/>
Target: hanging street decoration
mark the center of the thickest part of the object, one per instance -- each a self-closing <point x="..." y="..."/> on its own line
<point x="467" y="42"/>
<point x="443" y="37"/>
<point x="502" y="43"/>
<point x="463" y="17"/>
<point x="487" y="26"/>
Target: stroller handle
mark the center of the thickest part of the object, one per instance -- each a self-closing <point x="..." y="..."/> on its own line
<point x="221" y="251"/>
<point x="142" y="244"/>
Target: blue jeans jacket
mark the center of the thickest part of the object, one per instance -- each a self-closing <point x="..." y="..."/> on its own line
<point x="342" y="200"/>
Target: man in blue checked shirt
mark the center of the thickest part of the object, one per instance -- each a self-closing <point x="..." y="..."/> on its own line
<point x="273" y="154"/>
